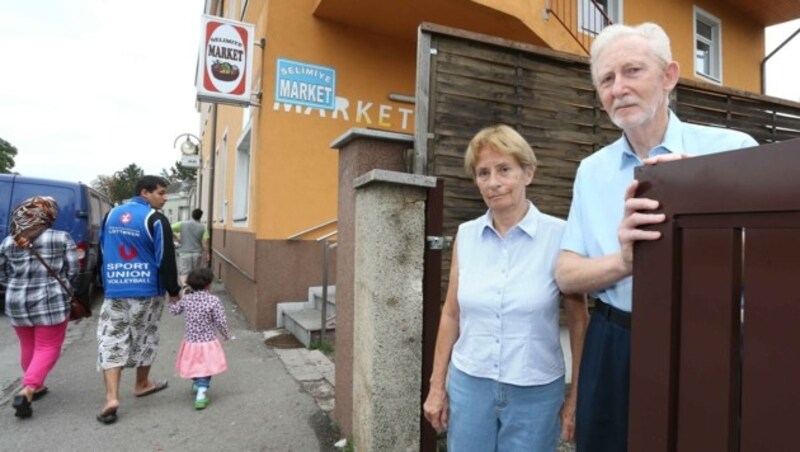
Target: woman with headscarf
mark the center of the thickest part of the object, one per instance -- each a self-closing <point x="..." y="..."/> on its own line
<point x="36" y="304"/>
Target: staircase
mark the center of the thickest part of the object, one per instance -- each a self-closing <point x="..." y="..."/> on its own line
<point x="304" y="318"/>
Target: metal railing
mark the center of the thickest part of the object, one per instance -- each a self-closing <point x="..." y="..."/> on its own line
<point x="311" y="229"/>
<point x="583" y="19"/>
<point x="327" y="245"/>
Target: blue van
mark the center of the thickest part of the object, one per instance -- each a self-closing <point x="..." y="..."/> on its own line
<point x="81" y="210"/>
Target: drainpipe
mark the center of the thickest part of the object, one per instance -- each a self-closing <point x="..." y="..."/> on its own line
<point x="764" y="61"/>
<point x="211" y="162"/>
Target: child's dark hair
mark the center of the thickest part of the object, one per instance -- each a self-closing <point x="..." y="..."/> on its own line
<point x="200" y="278"/>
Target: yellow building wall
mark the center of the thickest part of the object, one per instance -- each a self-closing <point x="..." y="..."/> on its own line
<point x="742" y="41"/>
<point x="297" y="170"/>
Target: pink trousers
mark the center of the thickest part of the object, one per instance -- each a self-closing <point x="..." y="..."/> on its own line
<point x="40" y="347"/>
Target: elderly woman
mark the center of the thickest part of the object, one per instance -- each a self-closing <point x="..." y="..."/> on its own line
<point x="498" y="341"/>
<point x="36" y="304"/>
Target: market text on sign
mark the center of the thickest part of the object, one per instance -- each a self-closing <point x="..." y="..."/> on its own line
<point x="225" y="52"/>
<point x="290" y="89"/>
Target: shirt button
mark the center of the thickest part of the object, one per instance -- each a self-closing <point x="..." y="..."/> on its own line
<point x="497" y="341"/>
<point x="497" y="315"/>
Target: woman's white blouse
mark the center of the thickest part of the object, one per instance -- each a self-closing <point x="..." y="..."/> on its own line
<point x="508" y="300"/>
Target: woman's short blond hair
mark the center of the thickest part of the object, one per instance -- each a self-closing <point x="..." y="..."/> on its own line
<point x="502" y="139"/>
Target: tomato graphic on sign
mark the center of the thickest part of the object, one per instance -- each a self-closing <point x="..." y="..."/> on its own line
<point x="127" y="253"/>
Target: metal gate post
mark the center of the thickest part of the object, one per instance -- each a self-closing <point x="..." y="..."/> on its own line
<point x="431" y="303"/>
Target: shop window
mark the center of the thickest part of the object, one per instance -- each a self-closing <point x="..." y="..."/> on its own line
<point x="241" y="178"/>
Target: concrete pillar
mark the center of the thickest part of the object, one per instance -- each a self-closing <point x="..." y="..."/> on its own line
<point x="360" y="150"/>
<point x="387" y="327"/>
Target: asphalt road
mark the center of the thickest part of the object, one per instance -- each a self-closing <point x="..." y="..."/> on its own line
<point x="255" y="406"/>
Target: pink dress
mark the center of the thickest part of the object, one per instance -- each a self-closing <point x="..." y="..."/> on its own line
<point x="201" y="354"/>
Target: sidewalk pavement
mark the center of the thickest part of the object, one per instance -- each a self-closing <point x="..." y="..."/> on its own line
<point x="257" y="405"/>
<point x="311" y="368"/>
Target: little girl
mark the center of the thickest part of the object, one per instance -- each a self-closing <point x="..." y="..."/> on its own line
<point x="201" y="354"/>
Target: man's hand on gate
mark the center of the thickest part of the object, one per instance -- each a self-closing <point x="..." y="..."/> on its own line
<point x="663" y="158"/>
<point x="636" y="215"/>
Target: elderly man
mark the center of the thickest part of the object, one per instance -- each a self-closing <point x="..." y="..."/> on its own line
<point x="633" y="72"/>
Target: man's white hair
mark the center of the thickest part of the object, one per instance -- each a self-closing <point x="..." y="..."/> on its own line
<point x="652" y="33"/>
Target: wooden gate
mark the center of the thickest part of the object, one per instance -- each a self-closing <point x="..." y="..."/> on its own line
<point x="715" y="333"/>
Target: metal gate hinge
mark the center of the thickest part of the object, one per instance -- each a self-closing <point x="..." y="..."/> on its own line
<point x="438" y="242"/>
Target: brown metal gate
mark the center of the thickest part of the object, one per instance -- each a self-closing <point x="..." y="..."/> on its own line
<point x="706" y="374"/>
<point x="431" y="304"/>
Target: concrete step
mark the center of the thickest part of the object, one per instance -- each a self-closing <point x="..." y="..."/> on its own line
<point x="315" y="295"/>
<point x="305" y="325"/>
<point x="289" y="306"/>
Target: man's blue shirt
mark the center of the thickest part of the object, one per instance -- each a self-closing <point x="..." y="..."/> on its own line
<point x="598" y="195"/>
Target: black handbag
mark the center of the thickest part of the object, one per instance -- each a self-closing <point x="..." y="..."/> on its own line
<point x="77" y="310"/>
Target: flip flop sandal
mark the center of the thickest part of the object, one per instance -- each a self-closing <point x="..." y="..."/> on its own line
<point x="157" y="386"/>
<point x="108" y="417"/>
<point x="22" y="407"/>
<point x="39" y="393"/>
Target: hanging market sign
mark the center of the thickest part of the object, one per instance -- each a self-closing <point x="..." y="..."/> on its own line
<point x="224" y="73"/>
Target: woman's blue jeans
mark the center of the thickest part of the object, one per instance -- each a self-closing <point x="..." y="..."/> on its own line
<point x="489" y="416"/>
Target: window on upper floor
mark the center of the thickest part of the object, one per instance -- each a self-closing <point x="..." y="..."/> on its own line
<point x="245" y="117"/>
<point x="592" y="14"/>
<point x="707" y="46"/>
<point x="232" y="9"/>
<point x="241" y="178"/>
<point x="221" y="170"/>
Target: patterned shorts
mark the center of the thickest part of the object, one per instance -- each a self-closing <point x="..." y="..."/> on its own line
<point x="127" y="332"/>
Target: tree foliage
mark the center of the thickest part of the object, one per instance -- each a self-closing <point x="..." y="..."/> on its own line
<point x="7" y="154"/>
<point x="178" y="173"/>
<point x="121" y="185"/>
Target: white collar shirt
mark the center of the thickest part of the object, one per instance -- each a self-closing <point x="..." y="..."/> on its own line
<point x="508" y="300"/>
